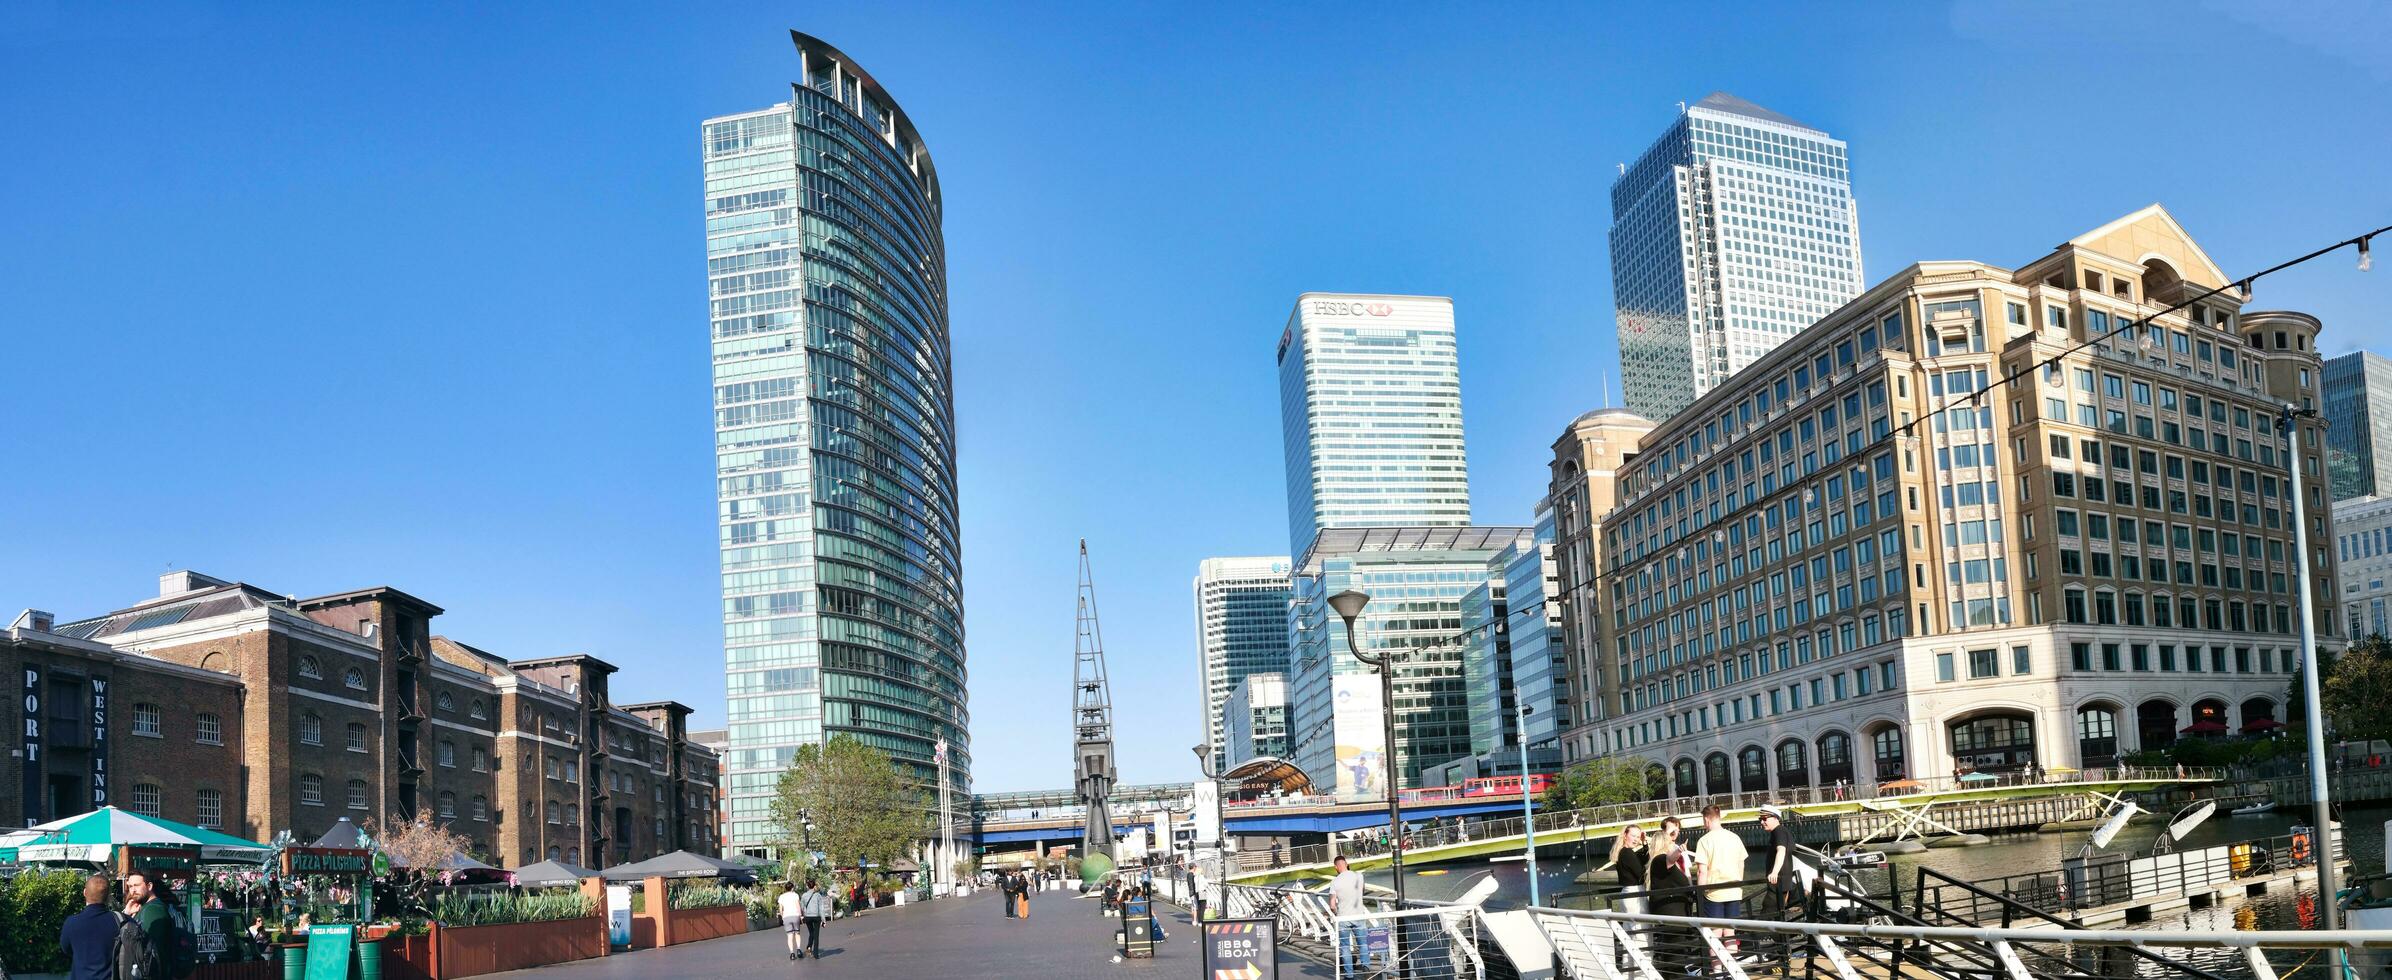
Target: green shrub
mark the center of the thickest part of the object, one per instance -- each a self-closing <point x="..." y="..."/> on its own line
<point x="704" y="895"/>
<point x="457" y="909"/>
<point x="35" y="903"/>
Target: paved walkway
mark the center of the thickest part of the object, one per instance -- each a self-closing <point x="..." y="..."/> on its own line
<point x="1066" y="938"/>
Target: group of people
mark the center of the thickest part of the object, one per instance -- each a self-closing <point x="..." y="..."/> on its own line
<point x="806" y="910"/>
<point x="1663" y="875"/>
<point x="144" y="939"/>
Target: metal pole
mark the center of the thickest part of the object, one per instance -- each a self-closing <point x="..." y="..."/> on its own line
<point x="1395" y="820"/>
<point x="2329" y="911"/>
<point x="1528" y="816"/>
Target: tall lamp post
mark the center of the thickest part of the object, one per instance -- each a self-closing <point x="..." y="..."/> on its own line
<point x="1528" y="815"/>
<point x="1348" y="605"/>
<point x="2328" y="908"/>
<point x="1204" y="764"/>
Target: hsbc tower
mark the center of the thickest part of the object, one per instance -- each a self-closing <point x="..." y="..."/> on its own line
<point x="1370" y="409"/>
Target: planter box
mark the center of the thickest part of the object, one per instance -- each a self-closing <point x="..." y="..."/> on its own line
<point x="407" y="958"/>
<point x="469" y="951"/>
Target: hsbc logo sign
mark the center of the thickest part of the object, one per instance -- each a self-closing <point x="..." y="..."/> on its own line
<point x="1336" y="308"/>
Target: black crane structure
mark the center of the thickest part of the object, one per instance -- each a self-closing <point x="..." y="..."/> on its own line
<point x="1092" y="718"/>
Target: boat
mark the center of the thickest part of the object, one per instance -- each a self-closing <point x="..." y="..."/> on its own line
<point x="2253" y="809"/>
<point x="1861" y="859"/>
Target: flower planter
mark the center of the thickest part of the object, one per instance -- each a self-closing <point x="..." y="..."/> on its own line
<point x="468" y="951"/>
<point x="694" y="925"/>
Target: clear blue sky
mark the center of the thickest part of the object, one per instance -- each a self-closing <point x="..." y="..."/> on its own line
<point x="326" y="296"/>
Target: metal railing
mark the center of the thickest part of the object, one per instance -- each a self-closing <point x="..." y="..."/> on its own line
<point x="1653" y="810"/>
<point x="1617" y="945"/>
<point x="2111" y="879"/>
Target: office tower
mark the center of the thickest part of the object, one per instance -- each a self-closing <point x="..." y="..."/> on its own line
<point x="1370" y="407"/>
<point x="834" y="435"/>
<point x="1733" y="232"/>
<point x="1802" y="587"/>
<point x="1241" y="630"/>
<point x="2358" y="407"/>
<point x="1418" y="577"/>
<point x="1487" y="666"/>
<point x="1255" y="719"/>
<point x="1540" y="669"/>
<point x="2363" y="560"/>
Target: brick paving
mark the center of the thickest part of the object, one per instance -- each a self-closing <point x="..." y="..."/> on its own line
<point x="1066" y="938"/>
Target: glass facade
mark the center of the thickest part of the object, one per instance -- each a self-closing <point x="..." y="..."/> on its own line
<point x="2358" y="394"/>
<point x="1256" y="718"/>
<point x="1417" y="578"/>
<point x="1370" y="407"/>
<point x="1734" y="231"/>
<point x="1241" y="631"/>
<point x="1540" y="665"/>
<point x="834" y="436"/>
<point x="1487" y="670"/>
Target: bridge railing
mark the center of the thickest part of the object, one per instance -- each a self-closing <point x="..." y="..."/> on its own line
<point x="1552" y="821"/>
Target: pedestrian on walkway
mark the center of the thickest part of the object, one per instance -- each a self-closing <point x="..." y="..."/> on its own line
<point x="1783" y="897"/>
<point x="791" y="916"/>
<point x="89" y="937"/>
<point x="1025" y="886"/>
<point x="1345" y="898"/>
<point x="1005" y="891"/>
<point x="1719" y="859"/>
<point x="814" y="905"/>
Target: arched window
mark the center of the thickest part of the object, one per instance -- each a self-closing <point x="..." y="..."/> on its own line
<point x="211" y="808"/>
<point x="2096" y="735"/>
<point x="2259" y="714"/>
<point x="572" y="813"/>
<point x="481" y="807"/>
<point x="208" y="728"/>
<point x="310" y="669"/>
<point x="1793" y="769"/>
<point x="555" y="813"/>
<point x="356" y="737"/>
<point x="573" y="855"/>
<point x="475" y="710"/>
<point x="1999" y="741"/>
<point x="1886" y="746"/>
<point x="448" y="805"/>
<point x="1715" y="774"/>
<point x="311" y="729"/>
<point x="1835" y="758"/>
<point x="554" y="852"/>
<point x="354" y="679"/>
<point x="445" y="701"/>
<point x="1752" y="767"/>
<point x="357" y="794"/>
<point x="1685" y="782"/>
<point x="311" y="789"/>
<point x="448" y="754"/>
<point x="147" y="720"/>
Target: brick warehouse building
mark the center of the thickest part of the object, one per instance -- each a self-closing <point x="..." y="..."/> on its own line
<point x="224" y="705"/>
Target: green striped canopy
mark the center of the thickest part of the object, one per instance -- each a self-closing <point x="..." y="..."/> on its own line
<point x="95" y="836"/>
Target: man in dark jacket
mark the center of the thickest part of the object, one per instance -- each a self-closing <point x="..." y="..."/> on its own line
<point x="89" y="936"/>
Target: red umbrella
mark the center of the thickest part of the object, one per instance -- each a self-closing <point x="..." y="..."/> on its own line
<point x="2262" y="725"/>
<point x="2205" y="726"/>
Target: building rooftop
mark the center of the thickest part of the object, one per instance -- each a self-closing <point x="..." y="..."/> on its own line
<point x="1453" y="537"/>
<point x="1723" y="102"/>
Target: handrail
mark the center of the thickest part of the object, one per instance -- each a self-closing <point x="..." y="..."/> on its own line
<point x="2353" y="939"/>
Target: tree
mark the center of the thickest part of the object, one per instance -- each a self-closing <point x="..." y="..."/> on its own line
<point x="2296" y="694"/>
<point x="418" y="850"/>
<point x="1600" y="782"/>
<point x="2358" y="690"/>
<point x="863" y="809"/>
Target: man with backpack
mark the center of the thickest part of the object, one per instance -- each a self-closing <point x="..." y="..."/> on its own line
<point x="152" y="940"/>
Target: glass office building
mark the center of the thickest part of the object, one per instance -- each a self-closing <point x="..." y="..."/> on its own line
<point x="1734" y="231"/>
<point x="1241" y="631"/>
<point x="834" y="435"/>
<point x="2358" y="390"/>
<point x="1370" y="409"/>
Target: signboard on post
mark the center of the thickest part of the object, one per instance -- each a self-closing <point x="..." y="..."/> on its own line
<point x="1207" y="812"/>
<point x="1241" y="949"/>
<point x="326" y="861"/>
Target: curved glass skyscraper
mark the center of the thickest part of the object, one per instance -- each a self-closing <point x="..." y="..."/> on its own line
<point x="834" y="435"/>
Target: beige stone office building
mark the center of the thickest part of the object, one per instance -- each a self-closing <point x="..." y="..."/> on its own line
<point x="1584" y="487"/>
<point x="1864" y="557"/>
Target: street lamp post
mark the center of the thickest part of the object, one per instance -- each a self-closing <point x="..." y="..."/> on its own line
<point x="1348" y="605"/>
<point x="2327" y="906"/>
<point x="1528" y="816"/>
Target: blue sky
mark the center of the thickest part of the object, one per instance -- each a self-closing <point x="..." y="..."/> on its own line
<point x="326" y="296"/>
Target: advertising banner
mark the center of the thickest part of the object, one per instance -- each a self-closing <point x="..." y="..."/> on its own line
<point x="30" y="745"/>
<point x="1241" y="949"/>
<point x="618" y="916"/>
<point x="1162" y="835"/>
<point x="99" y="742"/>
<point x="1360" y="735"/>
<point x="1208" y="812"/>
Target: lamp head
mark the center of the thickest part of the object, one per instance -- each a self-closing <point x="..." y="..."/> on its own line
<point x="1349" y="604"/>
